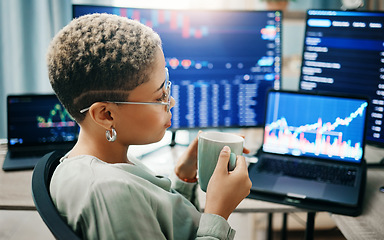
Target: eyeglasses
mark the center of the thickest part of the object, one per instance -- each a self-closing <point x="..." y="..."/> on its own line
<point x="166" y="102"/>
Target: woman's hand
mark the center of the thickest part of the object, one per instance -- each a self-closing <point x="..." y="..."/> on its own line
<point x="226" y="189"/>
<point x="186" y="166"/>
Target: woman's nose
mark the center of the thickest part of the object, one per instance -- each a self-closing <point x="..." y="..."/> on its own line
<point x="173" y="102"/>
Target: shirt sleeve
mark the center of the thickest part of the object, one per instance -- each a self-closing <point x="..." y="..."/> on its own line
<point x="211" y="226"/>
<point x="214" y="227"/>
<point x="188" y="190"/>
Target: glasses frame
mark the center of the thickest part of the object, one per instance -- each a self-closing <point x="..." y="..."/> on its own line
<point x="167" y="89"/>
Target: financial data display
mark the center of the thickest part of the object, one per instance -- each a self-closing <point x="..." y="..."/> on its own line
<point x="221" y="63"/>
<point x="39" y="119"/>
<point x="344" y="52"/>
<point x="315" y="126"/>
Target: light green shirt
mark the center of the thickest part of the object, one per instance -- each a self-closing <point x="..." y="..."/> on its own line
<point x="128" y="201"/>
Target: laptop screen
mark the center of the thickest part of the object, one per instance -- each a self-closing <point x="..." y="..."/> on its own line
<point x="37" y="119"/>
<point x="318" y="126"/>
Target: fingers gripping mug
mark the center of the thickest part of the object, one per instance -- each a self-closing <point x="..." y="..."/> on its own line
<point x="209" y="146"/>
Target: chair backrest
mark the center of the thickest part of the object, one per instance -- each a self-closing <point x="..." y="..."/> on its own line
<point x="41" y="179"/>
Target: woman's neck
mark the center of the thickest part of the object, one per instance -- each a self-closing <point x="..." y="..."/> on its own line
<point x="97" y="145"/>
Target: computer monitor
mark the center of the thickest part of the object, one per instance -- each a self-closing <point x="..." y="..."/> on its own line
<point x="344" y="52"/>
<point x="221" y="62"/>
<point x="39" y="120"/>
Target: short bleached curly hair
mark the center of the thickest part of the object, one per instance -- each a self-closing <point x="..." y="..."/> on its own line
<point x="99" y="57"/>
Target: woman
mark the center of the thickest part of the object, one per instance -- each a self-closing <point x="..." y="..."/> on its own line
<point x="109" y="72"/>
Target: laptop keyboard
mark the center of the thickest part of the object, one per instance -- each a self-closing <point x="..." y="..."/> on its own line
<point x="329" y="174"/>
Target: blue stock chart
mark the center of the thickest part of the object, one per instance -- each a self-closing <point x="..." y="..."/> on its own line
<point x="35" y="119"/>
<point x="221" y="62"/>
<point x="316" y="126"/>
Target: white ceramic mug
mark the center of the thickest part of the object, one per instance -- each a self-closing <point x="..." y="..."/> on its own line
<point x="209" y="146"/>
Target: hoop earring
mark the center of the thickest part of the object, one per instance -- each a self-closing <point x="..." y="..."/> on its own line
<point x="111" y="135"/>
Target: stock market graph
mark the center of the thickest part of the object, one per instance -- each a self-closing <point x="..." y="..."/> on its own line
<point x="57" y="117"/>
<point x="34" y="119"/>
<point x="170" y="20"/>
<point x="316" y="126"/>
<point x="221" y="63"/>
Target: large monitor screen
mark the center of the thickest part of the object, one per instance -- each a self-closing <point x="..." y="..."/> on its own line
<point x="344" y="52"/>
<point x="221" y="63"/>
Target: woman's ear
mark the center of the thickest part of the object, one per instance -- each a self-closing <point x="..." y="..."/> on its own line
<point x="102" y="114"/>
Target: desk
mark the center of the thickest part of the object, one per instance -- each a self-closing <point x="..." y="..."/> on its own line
<point x="15" y="192"/>
<point x="15" y="187"/>
<point x="369" y="225"/>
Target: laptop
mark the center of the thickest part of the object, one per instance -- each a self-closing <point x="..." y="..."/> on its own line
<point x="312" y="155"/>
<point x="36" y="124"/>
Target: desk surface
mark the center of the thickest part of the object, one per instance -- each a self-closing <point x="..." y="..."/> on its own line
<point x="369" y="225"/>
<point x="15" y="187"/>
<point x="15" y="193"/>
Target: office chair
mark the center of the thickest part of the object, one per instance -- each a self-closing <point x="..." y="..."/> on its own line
<point x="41" y="179"/>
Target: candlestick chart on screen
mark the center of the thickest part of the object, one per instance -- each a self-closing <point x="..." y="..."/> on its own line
<point x="56" y="124"/>
<point x="221" y="62"/>
<point x="57" y="117"/>
<point x="317" y="129"/>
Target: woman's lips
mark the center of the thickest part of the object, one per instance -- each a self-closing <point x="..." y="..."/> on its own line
<point x="169" y="123"/>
